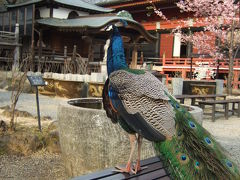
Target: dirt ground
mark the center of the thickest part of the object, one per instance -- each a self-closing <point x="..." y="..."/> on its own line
<point x="41" y="163"/>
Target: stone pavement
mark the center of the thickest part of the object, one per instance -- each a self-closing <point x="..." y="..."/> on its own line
<point x="27" y="102"/>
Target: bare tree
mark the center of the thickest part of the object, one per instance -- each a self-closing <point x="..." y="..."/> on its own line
<point x="19" y="76"/>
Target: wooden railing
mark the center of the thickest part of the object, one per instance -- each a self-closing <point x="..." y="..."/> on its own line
<point x="207" y="61"/>
<point x="9" y="37"/>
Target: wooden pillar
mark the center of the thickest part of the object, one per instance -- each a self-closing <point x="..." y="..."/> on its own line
<point x="65" y="53"/>
<point x="40" y="50"/>
<point x="17" y="49"/>
<point x="157" y="46"/>
<point x="17" y="16"/>
<point x="3" y="23"/>
<point x="134" y="57"/>
<point x="65" y="68"/>
<point x="90" y="50"/>
<point x="32" y="45"/>
<point x="184" y="73"/>
<point x="235" y="79"/>
<point x="25" y="21"/>
<point x="74" y="53"/>
<point x="164" y="59"/>
<point x="189" y="45"/>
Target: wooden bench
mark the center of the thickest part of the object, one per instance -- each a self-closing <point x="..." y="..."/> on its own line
<point x="155" y="170"/>
<point x="225" y="103"/>
<point x="201" y="97"/>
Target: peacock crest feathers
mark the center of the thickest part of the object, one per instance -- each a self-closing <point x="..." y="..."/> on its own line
<point x="193" y="153"/>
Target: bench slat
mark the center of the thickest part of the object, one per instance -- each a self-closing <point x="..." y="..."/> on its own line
<point x="219" y="101"/>
<point x="108" y="173"/>
<point x="152" y="168"/>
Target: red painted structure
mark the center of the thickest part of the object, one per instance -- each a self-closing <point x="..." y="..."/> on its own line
<point x="142" y="12"/>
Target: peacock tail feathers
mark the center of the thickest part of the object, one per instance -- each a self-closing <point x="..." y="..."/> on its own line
<point x="135" y="71"/>
<point x="193" y="153"/>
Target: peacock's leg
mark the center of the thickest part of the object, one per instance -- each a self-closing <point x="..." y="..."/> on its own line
<point x="137" y="166"/>
<point x="128" y="168"/>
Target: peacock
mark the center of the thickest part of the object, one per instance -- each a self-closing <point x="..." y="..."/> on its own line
<point x="144" y="108"/>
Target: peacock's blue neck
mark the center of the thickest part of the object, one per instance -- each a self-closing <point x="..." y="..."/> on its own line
<point x="116" y="57"/>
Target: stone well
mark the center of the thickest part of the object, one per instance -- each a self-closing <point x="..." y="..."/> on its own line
<point x="90" y="141"/>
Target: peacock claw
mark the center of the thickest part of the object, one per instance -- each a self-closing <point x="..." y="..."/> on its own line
<point x="138" y="169"/>
<point x="127" y="169"/>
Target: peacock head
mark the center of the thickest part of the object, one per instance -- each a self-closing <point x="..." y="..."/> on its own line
<point x="116" y="57"/>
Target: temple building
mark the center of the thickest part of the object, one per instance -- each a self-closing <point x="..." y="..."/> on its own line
<point x="54" y="31"/>
<point x="169" y="54"/>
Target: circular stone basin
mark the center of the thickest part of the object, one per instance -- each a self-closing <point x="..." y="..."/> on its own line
<point x="90" y="141"/>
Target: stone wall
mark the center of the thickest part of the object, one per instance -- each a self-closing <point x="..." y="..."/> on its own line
<point x="90" y="141"/>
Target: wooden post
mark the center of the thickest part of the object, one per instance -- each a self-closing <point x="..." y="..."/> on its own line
<point x="191" y="63"/>
<point x="32" y="46"/>
<point x="157" y="45"/>
<point x="16" y="50"/>
<point x="74" y="53"/>
<point x="40" y="50"/>
<point x="65" y="53"/>
<point x="17" y="16"/>
<point x="134" y="57"/>
<point x="3" y="21"/>
<point x="25" y="21"/>
<point x="10" y="21"/>
<point x="164" y="59"/>
<point x="141" y="58"/>
<point x="65" y="68"/>
<point x="184" y="73"/>
<point x="235" y="79"/>
<point x="90" y="50"/>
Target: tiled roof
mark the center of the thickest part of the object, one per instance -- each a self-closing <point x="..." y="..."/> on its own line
<point x="86" y="21"/>
<point x="75" y="3"/>
<point x="96" y="22"/>
<point x="107" y="2"/>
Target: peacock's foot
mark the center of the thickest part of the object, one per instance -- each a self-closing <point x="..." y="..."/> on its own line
<point x="138" y="168"/>
<point x="127" y="169"/>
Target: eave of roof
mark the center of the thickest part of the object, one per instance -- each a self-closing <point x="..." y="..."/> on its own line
<point x="94" y="22"/>
<point x="116" y="4"/>
<point x="111" y="2"/>
<point x="24" y="3"/>
<point x="74" y="3"/>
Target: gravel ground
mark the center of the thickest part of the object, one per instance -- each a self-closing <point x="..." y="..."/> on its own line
<point x="43" y="165"/>
<point x="227" y="133"/>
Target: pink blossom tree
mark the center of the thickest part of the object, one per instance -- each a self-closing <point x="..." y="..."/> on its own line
<point x="220" y="19"/>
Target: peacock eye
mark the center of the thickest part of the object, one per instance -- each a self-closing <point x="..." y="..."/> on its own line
<point x="208" y="141"/>
<point x="192" y="124"/>
<point x="177" y="106"/>
<point x="229" y="164"/>
<point x="197" y="163"/>
<point x="183" y="157"/>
